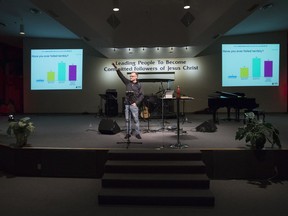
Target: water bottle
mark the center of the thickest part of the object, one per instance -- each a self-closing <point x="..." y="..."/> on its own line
<point x="178" y="92"/>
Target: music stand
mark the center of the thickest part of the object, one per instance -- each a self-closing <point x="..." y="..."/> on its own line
<point x="168" y="95"/>
<point x="130" y="95"/>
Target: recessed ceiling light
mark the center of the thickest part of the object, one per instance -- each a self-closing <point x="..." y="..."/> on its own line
<point x="266" y="6"/>
<point x="116" y="5"/>
<point x="186" y="4"/>
<point x="34" y="11"/>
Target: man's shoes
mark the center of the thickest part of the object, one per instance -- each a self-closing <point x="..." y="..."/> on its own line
<point x="138" y="136"/>
<point x="127" y="136"/>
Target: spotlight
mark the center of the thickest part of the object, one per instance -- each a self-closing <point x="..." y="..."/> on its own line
<point x="116" y="5"/>
<point x="11" y="118"/>
<point x="22" y="32"/>
<point x="186" y="4"/>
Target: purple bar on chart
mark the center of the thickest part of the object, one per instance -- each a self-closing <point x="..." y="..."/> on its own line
<point x="72" y="72"/>
<point x="268" y="68"/>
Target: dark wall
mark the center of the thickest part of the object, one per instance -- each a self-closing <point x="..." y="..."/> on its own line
<point x="221" y="164"/>
<point x="11" y="79"/>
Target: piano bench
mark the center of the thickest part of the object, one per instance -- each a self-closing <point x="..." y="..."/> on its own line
<point x="257" y="112"/>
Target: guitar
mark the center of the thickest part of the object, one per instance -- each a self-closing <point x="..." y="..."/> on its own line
<point x="145" y="113"/>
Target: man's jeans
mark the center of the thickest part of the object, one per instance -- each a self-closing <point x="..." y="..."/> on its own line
<point x="134" y="111"/>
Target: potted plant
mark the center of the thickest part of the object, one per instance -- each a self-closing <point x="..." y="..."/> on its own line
<point x="257" y="132"/>
<point x="21" y="129"/>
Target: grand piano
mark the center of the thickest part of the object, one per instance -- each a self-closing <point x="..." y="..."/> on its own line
<point x="237" y="101"/>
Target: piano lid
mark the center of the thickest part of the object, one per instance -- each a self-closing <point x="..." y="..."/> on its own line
<point x="230" y="95"/>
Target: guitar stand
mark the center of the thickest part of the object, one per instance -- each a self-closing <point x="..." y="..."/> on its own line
<point x="148" y="124"/>
<point x="148" y="129"/>
<point x="128" y="142"/>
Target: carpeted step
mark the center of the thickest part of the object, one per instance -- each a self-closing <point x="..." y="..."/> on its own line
<point x="164" y="154"/>
<point x="176" y="197"/>
<point x="155" y="180"/>
<point x="155" y="166"/>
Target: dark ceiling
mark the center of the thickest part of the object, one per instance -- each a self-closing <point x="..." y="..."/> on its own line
<point x="141" y="24"/>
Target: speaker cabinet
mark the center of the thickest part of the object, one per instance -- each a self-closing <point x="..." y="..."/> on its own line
<point x="108" y="126"/>
<point x="111" y="108"/>
<point x="207" y="126"/>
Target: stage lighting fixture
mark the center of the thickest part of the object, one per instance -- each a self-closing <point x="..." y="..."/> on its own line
<point x="116" y="5"/>
<point x="186" y="4"/>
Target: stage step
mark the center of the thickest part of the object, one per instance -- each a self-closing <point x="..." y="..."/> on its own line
<point x="164" y="154"/>
<point x="146" y="180"/>
<point x="175" y="197"/>
<point x="154" y="166"/>
<point x="153" y="177"/>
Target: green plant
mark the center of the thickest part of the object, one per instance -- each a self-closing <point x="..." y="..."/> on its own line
<point x="21" y="129"/>
<point x="257" y="132"/>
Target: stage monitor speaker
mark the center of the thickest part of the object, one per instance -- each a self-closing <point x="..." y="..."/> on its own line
<point x="108" y="126"/>
<point x="111" y="108"/>
<point x="207" y="126"/>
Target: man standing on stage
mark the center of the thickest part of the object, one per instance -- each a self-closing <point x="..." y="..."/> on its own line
<point x="133" y="98"/>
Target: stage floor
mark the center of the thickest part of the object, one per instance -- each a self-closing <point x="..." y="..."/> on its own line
<point x="81" y="131"/>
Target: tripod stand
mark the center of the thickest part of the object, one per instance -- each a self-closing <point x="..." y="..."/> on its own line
<point x="128" y="118"/>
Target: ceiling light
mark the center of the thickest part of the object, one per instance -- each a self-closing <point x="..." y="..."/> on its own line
<point x="116" y="5"/>
<point x="34" y="11"/>
<point x="130" y="51"/>
<point x="22" y="32"/>
<point x="186" y="4"/>
<point x="266" y="6"/>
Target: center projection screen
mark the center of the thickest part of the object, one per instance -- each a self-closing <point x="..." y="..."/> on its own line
<point x="250" y="65"/>
<point x="56" y="69"/>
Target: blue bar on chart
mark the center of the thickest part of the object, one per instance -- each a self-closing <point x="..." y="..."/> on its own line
<point x="268" y="68"/>
<point x="61" y="71"/>
<point x="256" y="67"/>
<point x="72" y="72"/>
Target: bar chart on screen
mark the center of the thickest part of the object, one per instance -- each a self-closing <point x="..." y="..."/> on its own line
<point x="56" y="69"/>
<point x="250" y="64"/>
